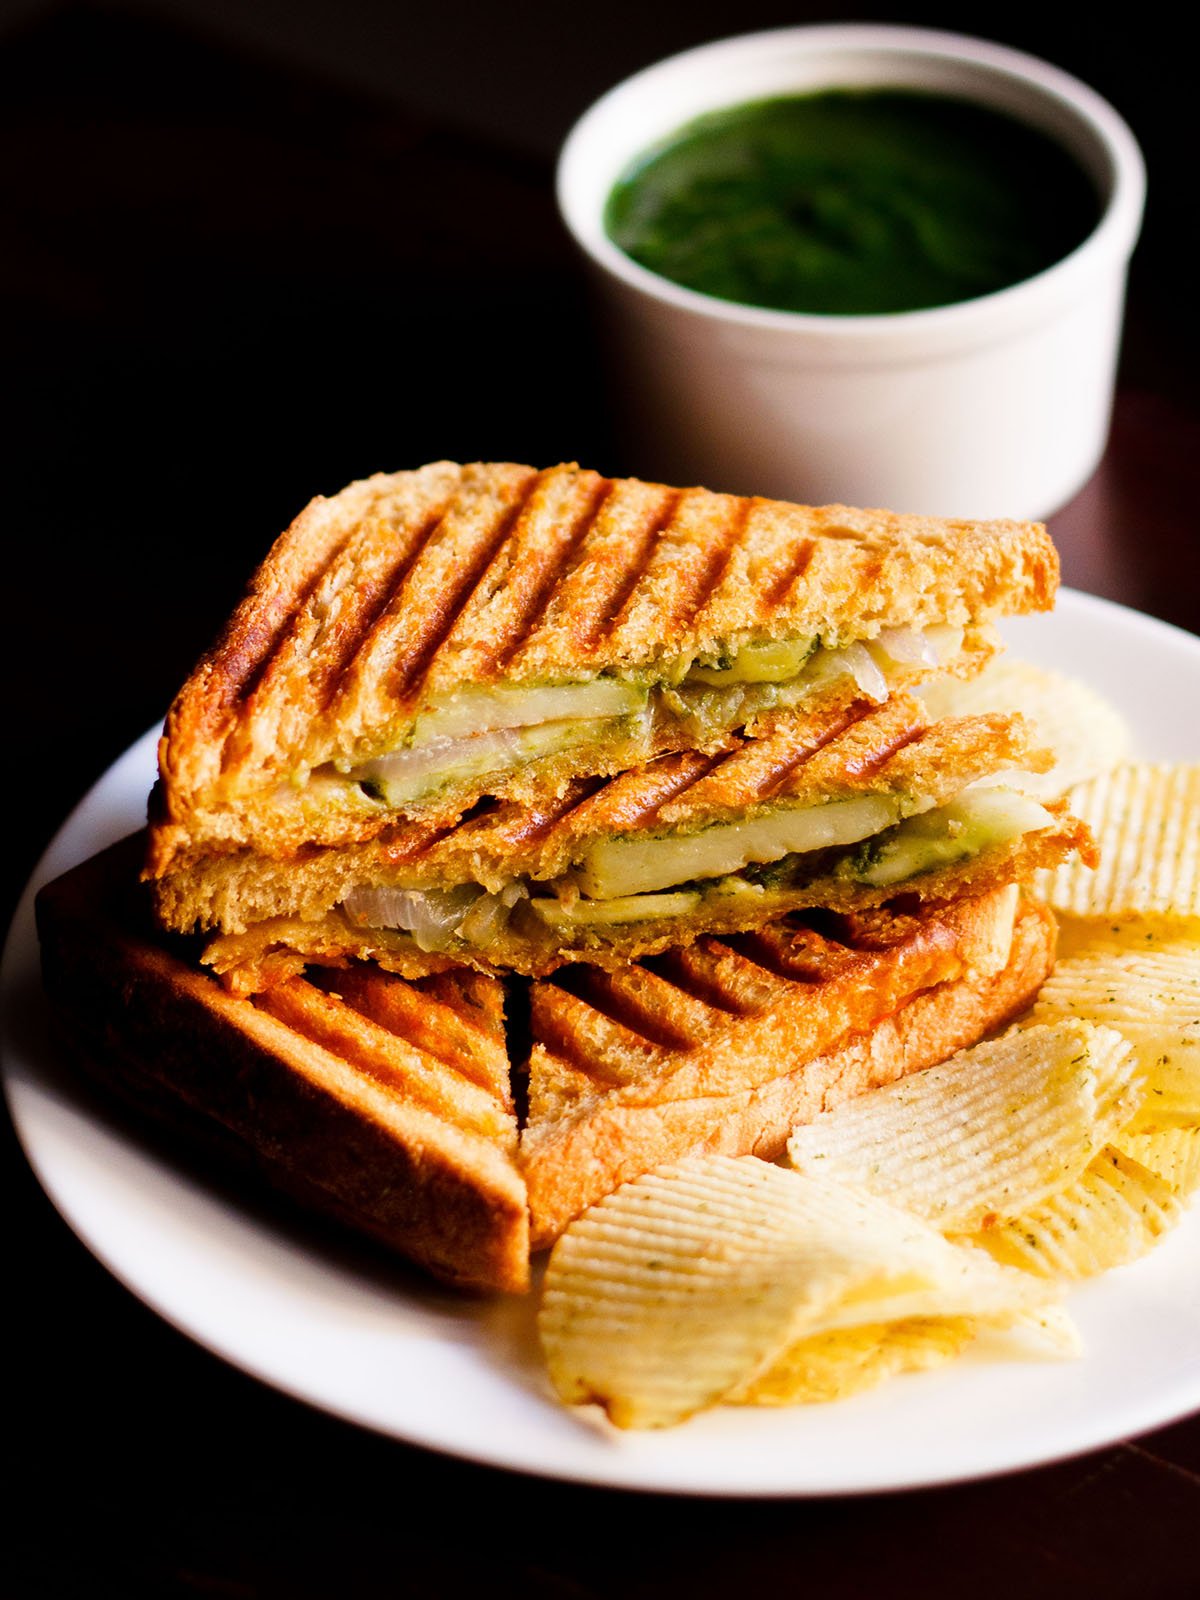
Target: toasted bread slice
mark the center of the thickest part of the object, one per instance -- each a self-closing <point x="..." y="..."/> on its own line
<point x="389" y="1105"/>
<point x="674" y="1058"/>
<point x="592" y="622"/>
<point x="652" y="858"/>
<point x="392" y="1113"/>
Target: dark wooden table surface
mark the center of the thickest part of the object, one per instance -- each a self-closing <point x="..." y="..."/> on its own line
<point x="225" y="288"/>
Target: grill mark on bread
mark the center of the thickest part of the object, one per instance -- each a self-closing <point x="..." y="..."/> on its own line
<point x="611" y="558"/>
<point x="308" y="659"/>
<point x="480" y="999"/>
<point x="375" y="600"/>
<point x="755" y="769"/>
<point x="525" y="565"/>
<point x="634" y="799"/>
<point x="606" y="1103"/>
<point x="858" y="757"/>
<point x="554" y="577"/>
<point x="369" y="699"/>
<point x="391" y="1059"/>
<point x="242" y="664"/>
<point x="876" y="759"/>
<point x="668" y="1010"/>
<point x="688" y="556"/>
<point x="676" y="1002"/>
<point x="436" y="614"/>
<point x="568" y="1027"/>
<point x="711" y="970"/>
<point x="791" y="573"/>
<point x="281" y="587"/>
<point x="258" y="648"/>
<point x="636" y="1000"/>
<point x="817" y="740"/>
<point x="308" y="668"/>
<point x="796" y="954"/>
<point x="767" y="561"/>
<point x="722" y="557"/>
<point x="410" y="842"/>
<point x="416" y="1012"/>
<point x="639" y="555"/>
<point x="512" y="827"/>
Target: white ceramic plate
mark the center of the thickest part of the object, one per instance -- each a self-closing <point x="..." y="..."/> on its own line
<point x="384" y="1349"/>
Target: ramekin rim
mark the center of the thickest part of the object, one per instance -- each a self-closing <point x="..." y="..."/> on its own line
<point x="1113" y="236"/>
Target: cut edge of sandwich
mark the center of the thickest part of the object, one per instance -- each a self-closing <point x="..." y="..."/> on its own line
<point x="845" y="814"/>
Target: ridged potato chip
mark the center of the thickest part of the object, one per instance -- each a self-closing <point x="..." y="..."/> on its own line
<point x="1173" y="1154"/>
<point x="1146" y="821"/>
<point x="1048" y="1329"/>
<point x="1079" y="934"/>
<point x="683" y="1286"/>
<point x="1112" y="1214"/>
<point x="1087" y="735"/>
<point x="1150" y="995"/>
<point x="833" y="1366"/>
<point x="989" y="1133"/>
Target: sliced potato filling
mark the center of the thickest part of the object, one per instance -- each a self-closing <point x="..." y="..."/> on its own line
<point x="476" y="732"/>
<point x="894" y="853"/>
<point x="615" y="913"/>
<point x="470" y="712"/>
<point x="417" y="772"/>
<point x="772" y="662"/>
<point x="939" y="837"/>
<point x="637" y="864"/>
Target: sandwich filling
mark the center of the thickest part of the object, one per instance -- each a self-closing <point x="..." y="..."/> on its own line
<point x="476" y="733"/>
<point x="763" y="862"/>
<point x="844" y="807"/>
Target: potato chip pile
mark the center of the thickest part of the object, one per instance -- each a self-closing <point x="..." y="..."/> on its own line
<point x="955" y="1204"/>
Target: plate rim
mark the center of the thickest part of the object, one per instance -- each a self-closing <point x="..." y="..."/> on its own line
<point x="630" y="1473"/>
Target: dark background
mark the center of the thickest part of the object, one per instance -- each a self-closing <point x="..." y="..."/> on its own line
<point x="251" y="251"/>
<point x="254" y="250"/>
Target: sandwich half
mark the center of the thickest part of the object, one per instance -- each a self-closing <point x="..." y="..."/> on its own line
<point x="843" y="809"/>
<point x="462" y="1120"/>
<point x="427" y="638"/>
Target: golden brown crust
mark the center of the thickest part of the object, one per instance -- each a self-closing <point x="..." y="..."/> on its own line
<point x="601" y="1130"/>
<point x="323" y="1100"/>
<point x="406" y="584"/>
<point x="314" y="590"/>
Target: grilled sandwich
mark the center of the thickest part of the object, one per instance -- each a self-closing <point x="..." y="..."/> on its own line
<point x="428" y="638"/>
<point x="398" y="1121"/>
<point x="463" y="1120"/>
<point x="843" y="809"/>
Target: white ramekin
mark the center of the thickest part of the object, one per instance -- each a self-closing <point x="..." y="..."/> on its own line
<point x="998" y="406"/>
